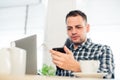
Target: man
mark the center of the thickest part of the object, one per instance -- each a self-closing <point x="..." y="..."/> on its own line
<point x="81" y="48"/>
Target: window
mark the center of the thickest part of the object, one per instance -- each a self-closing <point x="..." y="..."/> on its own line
<point x="19" y="21"/>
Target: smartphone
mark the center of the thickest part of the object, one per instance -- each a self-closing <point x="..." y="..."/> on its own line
<point x="60" y="49"/>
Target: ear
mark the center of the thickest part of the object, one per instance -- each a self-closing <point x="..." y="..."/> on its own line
<point x="87" y="28"/>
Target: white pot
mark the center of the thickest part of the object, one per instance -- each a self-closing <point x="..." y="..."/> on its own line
<point x="5" y="63"/>
<point x="18" y="60"/>
<point x="12" y="61"/>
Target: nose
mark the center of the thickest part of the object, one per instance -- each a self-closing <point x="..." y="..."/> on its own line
<point x="74" y="31"/>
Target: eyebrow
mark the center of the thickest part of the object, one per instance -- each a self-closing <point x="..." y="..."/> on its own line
<point x="75" y="25"/>
<point x="79" y="25"/>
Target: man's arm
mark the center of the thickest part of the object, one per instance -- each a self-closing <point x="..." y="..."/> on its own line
<point x="107" y="62"/>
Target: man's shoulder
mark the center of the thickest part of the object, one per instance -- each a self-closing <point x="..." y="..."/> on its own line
<point x="101" y="46"/>
<point x="97" y="43"/>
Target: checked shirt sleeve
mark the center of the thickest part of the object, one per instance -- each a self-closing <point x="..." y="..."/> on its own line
<point x="107" y="62"/>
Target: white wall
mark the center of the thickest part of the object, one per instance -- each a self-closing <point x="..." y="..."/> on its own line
<point x="55" y="30"/>
<point x="13" y="3"/>
<point x="101" y="12"/>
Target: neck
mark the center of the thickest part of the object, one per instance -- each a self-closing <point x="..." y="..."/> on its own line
<point x="75" y="47"/>
<point x="77" y="44"/>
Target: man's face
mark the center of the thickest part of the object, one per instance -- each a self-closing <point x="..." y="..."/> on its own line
<point x="77" y="29"/>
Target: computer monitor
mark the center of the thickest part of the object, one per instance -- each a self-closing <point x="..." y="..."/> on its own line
<point x="29" y="43"/>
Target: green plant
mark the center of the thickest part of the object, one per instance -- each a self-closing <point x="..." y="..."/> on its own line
<point x="47" y="70"/>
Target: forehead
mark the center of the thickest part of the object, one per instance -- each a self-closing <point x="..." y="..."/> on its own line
<point x="74" y="20"/>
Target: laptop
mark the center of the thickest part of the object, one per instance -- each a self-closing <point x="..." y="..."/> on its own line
<point x="29" y="43"/>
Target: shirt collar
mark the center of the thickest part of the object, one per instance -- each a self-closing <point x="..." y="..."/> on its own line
<point x="85" y="44"/>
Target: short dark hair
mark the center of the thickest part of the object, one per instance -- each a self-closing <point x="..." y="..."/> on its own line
<point x="76" y="13"/>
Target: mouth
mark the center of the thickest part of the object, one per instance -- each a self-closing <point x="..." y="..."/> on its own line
<point x="74" y="37"/>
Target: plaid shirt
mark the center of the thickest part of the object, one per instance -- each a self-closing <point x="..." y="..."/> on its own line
<point x="92" y="51"/>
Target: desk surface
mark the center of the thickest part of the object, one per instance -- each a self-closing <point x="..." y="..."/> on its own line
<point x="37" y="77"/>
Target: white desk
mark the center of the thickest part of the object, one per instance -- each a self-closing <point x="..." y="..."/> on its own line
<point x="37" y="77"/>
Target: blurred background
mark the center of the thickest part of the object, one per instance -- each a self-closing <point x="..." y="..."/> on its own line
<point x="46" y="18"/>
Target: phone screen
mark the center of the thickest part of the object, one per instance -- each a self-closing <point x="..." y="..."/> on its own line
<point x="60" y="49"/>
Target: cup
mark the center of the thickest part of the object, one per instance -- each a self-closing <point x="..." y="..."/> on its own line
<point x="5" y="64"/>
<point x="18" y="61"/>
<point x="89" y="66"/>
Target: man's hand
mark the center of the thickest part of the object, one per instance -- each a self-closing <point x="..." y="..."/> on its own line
<point x="65" y="60"/>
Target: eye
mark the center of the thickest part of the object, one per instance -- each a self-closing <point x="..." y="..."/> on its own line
<point x="69" y="28"/>
<point x="78" y="26"/>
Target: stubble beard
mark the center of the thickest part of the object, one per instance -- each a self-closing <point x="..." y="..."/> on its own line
<point x="79" y="43"/>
